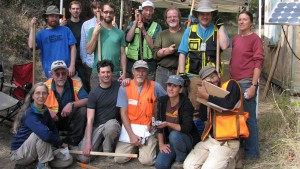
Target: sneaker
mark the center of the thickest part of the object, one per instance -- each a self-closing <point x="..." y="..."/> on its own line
<point x="177" y="165"/>
<point x="43" y="166"/>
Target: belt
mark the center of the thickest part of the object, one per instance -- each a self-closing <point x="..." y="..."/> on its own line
<point x="169" y="68"/>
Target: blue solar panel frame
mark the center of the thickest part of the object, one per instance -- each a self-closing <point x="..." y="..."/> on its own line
<point x="285" y="13"/>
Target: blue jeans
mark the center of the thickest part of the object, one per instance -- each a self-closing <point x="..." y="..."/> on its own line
<point x="251" y="143"/>
<point x="181" y="145"/>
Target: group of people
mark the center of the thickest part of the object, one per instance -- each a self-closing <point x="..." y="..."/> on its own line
<point x="116" y="88"/>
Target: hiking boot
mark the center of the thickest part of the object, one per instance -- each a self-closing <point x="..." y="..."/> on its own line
<point x="177" y="165"/>
<point x="43" y="166"/>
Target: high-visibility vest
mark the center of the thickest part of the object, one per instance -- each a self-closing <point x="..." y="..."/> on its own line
<point x="141" y="105"/>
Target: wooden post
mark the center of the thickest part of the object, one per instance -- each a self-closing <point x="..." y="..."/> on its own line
<point x="99" y="38"/>
<point x="33" y="53"/>
<point x="141" y="36"/>
<point x="274" y="63"/>
<point x="218" y="54"/>
<point x="191" y="14"/>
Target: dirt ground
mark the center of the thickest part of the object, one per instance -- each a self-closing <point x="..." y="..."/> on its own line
<point x="101" y="162"/>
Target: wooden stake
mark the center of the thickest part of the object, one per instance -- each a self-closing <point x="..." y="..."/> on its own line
<point x="141" y="42"/>
<point x="82" y="165"/>
<point x="105" y="154"/>
<point x="218" y="54"/>
<point x="191" y="14"/>
<point x="274" y="63"/>
<point x="33" y="53"/>
<point x="99" y="39"/>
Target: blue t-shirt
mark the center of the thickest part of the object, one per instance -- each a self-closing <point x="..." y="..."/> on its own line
<point x="55" y="45"/>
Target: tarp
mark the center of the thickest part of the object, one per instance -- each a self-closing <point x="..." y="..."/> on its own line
<point x="232" y="6"/>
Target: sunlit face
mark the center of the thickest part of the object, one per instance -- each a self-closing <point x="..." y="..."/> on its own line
<point x="52" y="20"/>
<point x="172" y="18"/>
<point x="75" y="10"/>
<point x="244" y="22"/>
<point x="173" y="90"/>
<point x="147" y="12"/>
<point x="204" y="18"/>
<point x="96" y="10"/>
<point x="213" y="78"/>
<point x="140" y="74"/>
<point x="108" y="14"/>
<point x="105" y="74"/>
<point x="60" y="77"/>
<point x="40" y="95"/>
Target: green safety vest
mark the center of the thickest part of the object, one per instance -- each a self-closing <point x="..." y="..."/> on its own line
<point x="132" y="50"/>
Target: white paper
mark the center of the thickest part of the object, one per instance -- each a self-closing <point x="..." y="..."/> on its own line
<point x="139" y="130"/>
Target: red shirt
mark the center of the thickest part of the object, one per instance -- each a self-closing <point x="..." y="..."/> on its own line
<point x="247" y="54"/>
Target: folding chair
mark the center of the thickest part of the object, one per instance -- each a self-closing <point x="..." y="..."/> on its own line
<point x="19" y="85"/>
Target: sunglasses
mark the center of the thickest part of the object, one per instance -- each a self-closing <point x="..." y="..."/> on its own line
<point x="58" y="74"/>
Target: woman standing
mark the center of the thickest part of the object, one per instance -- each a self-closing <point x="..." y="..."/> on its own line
<point x="35" y="130"/>
<point x="177" y="134"/>
<point x="245" y="66"/>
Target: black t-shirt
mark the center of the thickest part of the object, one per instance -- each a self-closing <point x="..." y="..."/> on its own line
<point x="76" y="30"/>
<point x="104" y="100"/>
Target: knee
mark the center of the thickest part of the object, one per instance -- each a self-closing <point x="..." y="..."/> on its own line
<point x="147" y="162"/>
<point x="83" y="159"/>
<point x="175" y="137"/>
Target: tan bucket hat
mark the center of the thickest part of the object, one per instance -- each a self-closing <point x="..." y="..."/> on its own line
<point x="204" y="6"/>
<point x="52" y="10"/>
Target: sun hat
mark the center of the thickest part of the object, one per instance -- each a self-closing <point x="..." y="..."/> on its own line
<point x="175" y="79"/>
<point x="204" y="6"/>
<point x="206" y="71"/>
<point x="59" y="64"/>
<point x="52" y="10"/>
<point x="140" y="63"/>
<point x="148" y="3"/>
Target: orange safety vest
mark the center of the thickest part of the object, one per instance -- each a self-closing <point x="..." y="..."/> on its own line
<point x="52" y="102"/>
<point x="209" y="123"/>
<point x="140" y="105"/>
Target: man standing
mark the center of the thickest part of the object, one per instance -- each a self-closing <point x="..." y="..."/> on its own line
<point x="140" y="34"/>
<point x="56" y="42"/>
<point x="198" y="46"/>
<point x="112" y="44"/>
<point x="102" y="126"/>
<point x="136" y="102"/>
<point x="75" y="24"/>
<point x="66" y="102"/>
<point x="88" y="59"/>
<point x="166" y="45"/>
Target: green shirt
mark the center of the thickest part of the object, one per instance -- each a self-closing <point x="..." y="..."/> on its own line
<point x="111" y="42"/>
<point x="166" y="39"/>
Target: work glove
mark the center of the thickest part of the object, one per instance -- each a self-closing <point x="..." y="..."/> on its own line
<point x="186" y="80"/>
<point x="219" y="22"/>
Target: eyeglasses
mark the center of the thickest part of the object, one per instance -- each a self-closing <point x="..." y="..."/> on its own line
<point x="63" y="74"/>
<point x="109" y="12"/>
<point x="172" y="17"/>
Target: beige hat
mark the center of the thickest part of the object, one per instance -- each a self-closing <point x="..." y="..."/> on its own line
<point x="58" y="64"/>
<point x="140" y="63"/>
<point x="52" y="10"/>
<point x="148" y="3"/>
<point x="206" y="71"/>
<point x="203" y="6"/>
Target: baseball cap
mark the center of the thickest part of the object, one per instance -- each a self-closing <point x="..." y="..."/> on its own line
<point x="148" y="3"/>
<point x="58" y="65"/>
<point x="175" y="79"/>
<point x="140" y="63"/>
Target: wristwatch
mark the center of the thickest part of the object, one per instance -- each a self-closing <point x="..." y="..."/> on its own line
<point x="256" y="85"/>
<point x="72" y="104"/>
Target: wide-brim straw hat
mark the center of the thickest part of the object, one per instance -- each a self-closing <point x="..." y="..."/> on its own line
<point x="204" y="6"/>
<point x="52" y="10"/>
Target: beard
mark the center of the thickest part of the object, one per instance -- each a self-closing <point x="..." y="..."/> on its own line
<point x="108" y="20"/>
<point x="60" y="83"/>
<point x="53" y="23"/>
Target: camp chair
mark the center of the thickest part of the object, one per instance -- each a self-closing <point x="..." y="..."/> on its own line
<point x="19" y="85"/>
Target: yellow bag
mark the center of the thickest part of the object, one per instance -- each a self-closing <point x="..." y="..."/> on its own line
<point x="230" y="125"/>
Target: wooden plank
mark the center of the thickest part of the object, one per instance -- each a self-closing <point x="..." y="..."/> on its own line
<point x="105" y="154"/>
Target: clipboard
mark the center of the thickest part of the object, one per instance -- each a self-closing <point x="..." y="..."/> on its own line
<point x="215" y="91"/>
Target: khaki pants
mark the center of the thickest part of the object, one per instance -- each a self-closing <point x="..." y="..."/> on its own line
<point x="212" y="154"/>
<point x="32" y="149"/>
<point x="106" y="134"/>
<point x="147" y="152"/>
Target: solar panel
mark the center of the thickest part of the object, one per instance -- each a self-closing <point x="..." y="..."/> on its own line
<point x="285" y="13"/>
